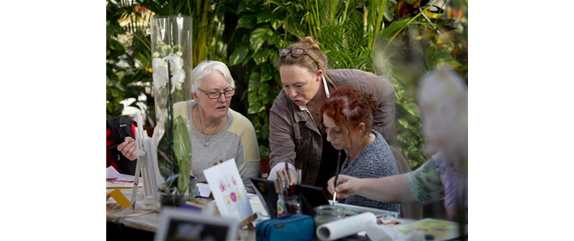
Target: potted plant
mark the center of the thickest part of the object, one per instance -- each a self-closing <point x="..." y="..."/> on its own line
<point x="171" y="44"/>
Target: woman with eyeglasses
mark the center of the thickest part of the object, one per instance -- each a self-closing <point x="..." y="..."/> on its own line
<point x="347" y="122"/>
<point x="295" y="118"/>
<point x="216" y="131"/>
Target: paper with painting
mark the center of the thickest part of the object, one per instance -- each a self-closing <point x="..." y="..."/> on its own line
<point x="114" y="179"/>
<point x="228" y="190"/>
<point x="439" y="229"/>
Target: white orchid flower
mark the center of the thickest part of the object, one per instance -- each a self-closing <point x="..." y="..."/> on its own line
<point x="161" y="74"/>
<point x="176" y="67"/>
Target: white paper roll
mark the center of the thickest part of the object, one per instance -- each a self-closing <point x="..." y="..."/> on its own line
<point x="345" y="227"/>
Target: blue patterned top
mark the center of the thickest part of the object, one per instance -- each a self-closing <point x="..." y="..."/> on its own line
<point x="376" y="160"/>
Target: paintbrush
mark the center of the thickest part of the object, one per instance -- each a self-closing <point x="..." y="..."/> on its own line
<point x="336" y="177"/>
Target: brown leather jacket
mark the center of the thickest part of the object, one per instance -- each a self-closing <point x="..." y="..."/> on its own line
<point x="295" y="138"/>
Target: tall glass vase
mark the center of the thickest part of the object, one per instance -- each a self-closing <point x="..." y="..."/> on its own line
<point x="171" y="37"/>
<point x="171" y="42"/>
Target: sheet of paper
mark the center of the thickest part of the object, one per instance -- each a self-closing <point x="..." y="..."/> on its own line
<point x="114" y="179"/>
<point x="112" y="175"/>
<point x="414" y="231"/>
<point x="228" y="190"/>
<point x="440" y="229"/>
<point x="257" y="206"/>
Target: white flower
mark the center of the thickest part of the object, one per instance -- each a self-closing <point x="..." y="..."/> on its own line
<point x="161" y="75"/>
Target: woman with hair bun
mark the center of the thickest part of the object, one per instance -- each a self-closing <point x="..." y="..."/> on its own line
<point x="347" y="122"/>
<point x="294" y="119"/>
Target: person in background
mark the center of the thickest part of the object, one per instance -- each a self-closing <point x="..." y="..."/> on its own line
<point x="122" y="155"/>
<point x="347" y="120"/>
<point x="216" y="131"/>
<point x="294" y="118"/>
<point x="442" y="98"/>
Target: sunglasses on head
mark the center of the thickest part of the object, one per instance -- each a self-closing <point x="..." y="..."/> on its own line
<point x="295" y="53"/>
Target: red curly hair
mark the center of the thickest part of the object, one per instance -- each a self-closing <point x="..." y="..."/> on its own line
<point x="348" y="107"/>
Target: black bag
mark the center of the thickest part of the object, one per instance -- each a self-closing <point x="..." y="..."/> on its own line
<point x="117" y="130"/>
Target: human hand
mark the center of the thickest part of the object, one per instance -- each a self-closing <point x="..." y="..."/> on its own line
<point x="346" y="186"/>
<point x="287" y="174"/>
<point x="128" y="149"/>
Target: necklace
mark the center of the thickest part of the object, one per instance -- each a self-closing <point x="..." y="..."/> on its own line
<point x="364" y="144"/>
<point x="208" y="138"/>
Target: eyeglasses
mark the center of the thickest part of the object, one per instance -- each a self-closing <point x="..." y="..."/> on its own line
<point x="216" y="94"/>
<point x="296" y="53"/>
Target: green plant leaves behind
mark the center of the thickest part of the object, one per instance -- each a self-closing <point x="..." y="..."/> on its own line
<point x="246" y="21"/>
<point x="258" y="37"/>
<point x="411" y="108"/>
<point x="394" y="27"/>
<point x="261" y="56"/>
<point x="238" y="56"/>
<point x="265" y="16"/>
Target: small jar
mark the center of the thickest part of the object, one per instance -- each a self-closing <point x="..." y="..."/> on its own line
<point x="292" y="204"/>
<point x="327" y="213"/>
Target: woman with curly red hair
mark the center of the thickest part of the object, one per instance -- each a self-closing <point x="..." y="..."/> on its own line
<point x="347" y="122"/>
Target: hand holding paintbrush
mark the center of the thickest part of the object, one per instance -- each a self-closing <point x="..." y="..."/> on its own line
<point x="287" y="174"/>
<point x="336" y="177"/>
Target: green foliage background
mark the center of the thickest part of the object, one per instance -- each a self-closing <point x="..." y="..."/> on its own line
<point x="388" y="37"/>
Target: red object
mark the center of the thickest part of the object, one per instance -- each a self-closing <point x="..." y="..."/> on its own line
<point x="109" y="142"/>
<point x="109" y="159"/>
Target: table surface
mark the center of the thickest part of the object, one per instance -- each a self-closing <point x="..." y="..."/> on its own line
<point x="147" y="220"/>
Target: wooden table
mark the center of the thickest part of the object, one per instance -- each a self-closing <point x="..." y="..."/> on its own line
<point x="147" y="220"/>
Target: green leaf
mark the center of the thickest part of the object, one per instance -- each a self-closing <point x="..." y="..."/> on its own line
<point x="258" y="37"/>
<point x="165" y="162"/>
<point x="266" y="73"/>
<point x="430" y="53"/>
<point x="261" y="56"/>
<point x="246" y="21"/>
<point x="253" y="95"/>
<point x="265" y="17"/>
<point x="238" y="56"/>
<point x="253" y="107"/>
<point x="182" y="151"/>
<point x="274" y="40"/>
<point x="455" y="64"/>
<point x="395" y="27"/>
<point x="276" y="24"/>
<point x="404" y="123"/>
<point x="411" y="108"/>
<point x="253" y="83"/>
<point x="263" y="91"/>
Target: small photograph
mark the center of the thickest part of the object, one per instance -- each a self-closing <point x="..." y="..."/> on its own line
<point x="186" y="225"/>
